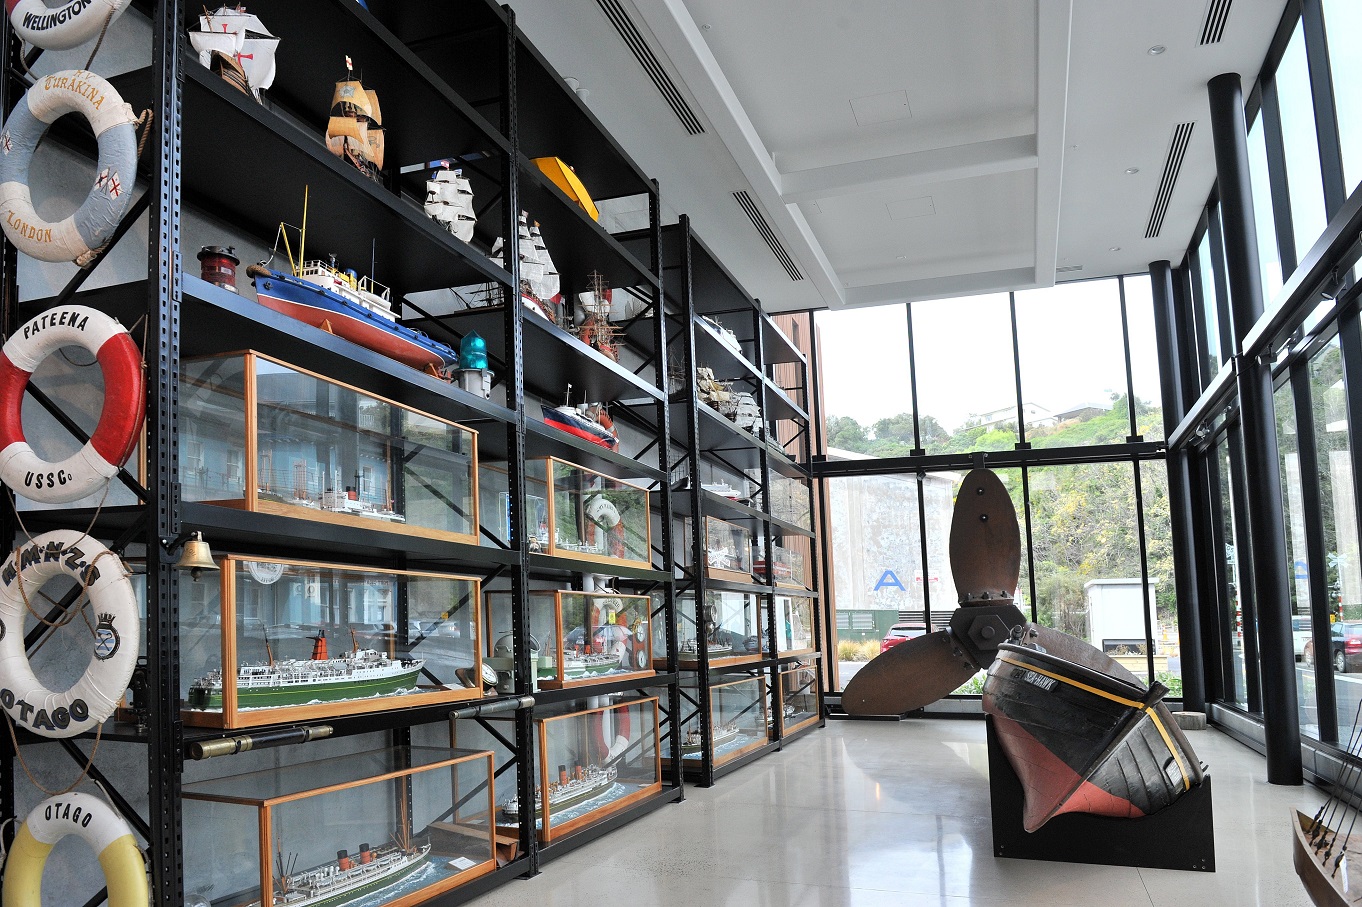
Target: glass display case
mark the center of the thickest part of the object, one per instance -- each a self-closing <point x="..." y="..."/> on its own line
<point x="387" y="828"/>
<point x="586" y="515"/>
<point x="728" y="551"/>
<point x="794" y="624"/>
<point x="799" y="695"/>
<point x="740" y="720"/>
<point x="791" y="500"/>
<point x="788" y="565"/>
<point x="576" y="638"/>
<point x="313" y="640"/>
<point x="592" y="763"/>
<point x="729" y="627"/>
<point x="260" y="435"/>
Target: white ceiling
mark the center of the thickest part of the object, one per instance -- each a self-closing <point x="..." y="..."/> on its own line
<point x="914" y="149"/>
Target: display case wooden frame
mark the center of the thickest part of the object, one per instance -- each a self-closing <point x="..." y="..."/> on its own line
<point x="553" y="473"/>
<point x="231" y="716"/>
<point x="800" y="688"/>
<point x="794" y="624"/>
<point x="727" y="710"/>
<point x="753" y="643"/>
<point x="549" y="830"/>
<point x="410" y="780"/>
<point x="720" y="537"/>
<point x="251" y="498"/>
<point x="636" y="641"/>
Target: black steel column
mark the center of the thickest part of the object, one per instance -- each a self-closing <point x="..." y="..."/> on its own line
<point x="165" y="738"/>
<point x="1258" y="431"/>
<point x="10" y="92"/>
<point x="1179" y="490"/>
<point x="512" y="323"/>
<point x="820" y="526"/>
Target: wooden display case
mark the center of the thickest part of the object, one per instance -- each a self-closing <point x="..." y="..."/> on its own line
<point x="729" y="628"/>
<point x="587" y="515"/>
<point x="728" y="551"/>
<point x="316" y="640"/>
<point x="794" y="624"/>
<point x="261" y="435"/>
<point x="393" y="827"/>
<point x="582" y="638"/>
<point x="800" y="695"/>
<point x="740" y="721"/>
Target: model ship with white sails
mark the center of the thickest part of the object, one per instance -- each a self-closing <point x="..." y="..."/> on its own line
<point x="449" y="201"/>
<point x="236" y="45"/>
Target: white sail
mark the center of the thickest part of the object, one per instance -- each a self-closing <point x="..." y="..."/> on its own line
<point x="233" y="20"/>
<point x="531" y="268"/>
<point x="257" y="59"/>
<point x="205" y="43"/>
<point x="449" y="200"/>
<point x="549" y="281"/>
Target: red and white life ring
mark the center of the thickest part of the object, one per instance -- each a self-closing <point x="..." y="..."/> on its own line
<point x="61" y="27"/>
<point x="117" y="643"/>
<point x="120" y="420"/>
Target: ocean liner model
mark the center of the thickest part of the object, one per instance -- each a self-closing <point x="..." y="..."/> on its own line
<point x="347" y="878"/>
<point x="585" y="783"/>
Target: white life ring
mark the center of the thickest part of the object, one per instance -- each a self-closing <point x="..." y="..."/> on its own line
<point x="73" y="239"/>
<point x="120" y="420"/>
<point x="65" y="552"/>
<point x="125" y="872"/>
<point x="61" y="27"/>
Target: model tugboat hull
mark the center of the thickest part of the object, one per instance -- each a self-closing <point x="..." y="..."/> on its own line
<point x="313" y="305"/>
<point x="1085" y="740"/>
<point x="566" y="419"/>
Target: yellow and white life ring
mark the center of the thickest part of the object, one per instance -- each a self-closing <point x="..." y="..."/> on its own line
<point x="61" y="27"/>
<point x="83" y="707"/>
<point x="125" y="872"/>
<point x="112" y="121"/>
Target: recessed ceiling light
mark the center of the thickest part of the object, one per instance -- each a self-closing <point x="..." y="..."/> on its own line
<point x="1114" y="249"/>
<point x="1132" y="170"/>
<point x="901" y="257"/>
<point x="707" y="27"/>
<point x="1156" y="50"/>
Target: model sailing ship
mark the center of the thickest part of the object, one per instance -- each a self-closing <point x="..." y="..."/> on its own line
<point x="357" y="674"/>
<point x="585" y="783"/>
<point x="449" y="202"/>
<point x="236" y="45"/>
<point x="588" y="421"/>
<point x="739" y="407"/>
<point x="354" y="131"/>
<point x="595" y="330"/>
<point x="343" y="303"/>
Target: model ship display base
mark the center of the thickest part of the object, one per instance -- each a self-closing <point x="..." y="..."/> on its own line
<point x="620" y="795"/>
<point x="377" y="522"/>
<point x="1180" y="836"/>
<point x="255" y="717"/>
<point x="590" y="679"/>
<point x="730" y="576"/>
<point x="799" y="722"/>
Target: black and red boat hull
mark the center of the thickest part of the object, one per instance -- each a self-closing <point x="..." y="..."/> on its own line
<point x="1082" y="739"/>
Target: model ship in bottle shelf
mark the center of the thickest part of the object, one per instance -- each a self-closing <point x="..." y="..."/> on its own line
<point x="357" y="674"/>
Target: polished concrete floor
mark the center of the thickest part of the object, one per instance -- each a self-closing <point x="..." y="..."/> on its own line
<point x="866" y="814"/>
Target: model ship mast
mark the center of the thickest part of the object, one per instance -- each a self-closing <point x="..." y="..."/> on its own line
<point x="354" y="132"/>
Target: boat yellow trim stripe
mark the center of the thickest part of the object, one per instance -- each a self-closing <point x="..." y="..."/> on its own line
<point x="1129" y="703"/>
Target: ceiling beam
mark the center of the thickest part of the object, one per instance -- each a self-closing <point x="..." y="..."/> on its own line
<point x="942" y="287"/>
<point x="1054" y="28"/>
<point x="917" y="168"/>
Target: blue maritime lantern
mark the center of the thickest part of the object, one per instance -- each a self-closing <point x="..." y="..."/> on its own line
<point x="473" y="351"/>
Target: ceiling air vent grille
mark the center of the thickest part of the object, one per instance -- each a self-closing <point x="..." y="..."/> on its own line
<point x="768" y="234"/>
<point x="1217" y="14"/>
<point x="1069" y="269"/>
<point x="648" y="60"/>
<point x="1172" y="166"/>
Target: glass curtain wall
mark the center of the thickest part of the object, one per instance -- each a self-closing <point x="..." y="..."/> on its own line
<point x="1098" y="540"/>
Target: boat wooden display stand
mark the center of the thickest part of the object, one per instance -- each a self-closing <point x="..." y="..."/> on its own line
<point x="1180" y="836"/>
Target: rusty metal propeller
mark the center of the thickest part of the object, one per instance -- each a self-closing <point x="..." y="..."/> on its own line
<point x="985" y="551"/>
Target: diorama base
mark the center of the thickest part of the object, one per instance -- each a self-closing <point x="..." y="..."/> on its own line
<point x="1179" y="837"/>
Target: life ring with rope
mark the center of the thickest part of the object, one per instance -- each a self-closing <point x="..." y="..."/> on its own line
<point x="78" y="237"/>
<point x="120" y="420"/>
<point x="61" y="27"/>
<point x="94" y="822"/>
<point x="117" y="634"/>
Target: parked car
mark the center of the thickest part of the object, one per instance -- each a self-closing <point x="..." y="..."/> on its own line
<point x="1345" y="638"/>
<point x="899" y="632"/>
<point x="1300" y="634"/>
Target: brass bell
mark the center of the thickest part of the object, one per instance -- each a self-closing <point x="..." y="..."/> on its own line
<point x="196" y="556"/>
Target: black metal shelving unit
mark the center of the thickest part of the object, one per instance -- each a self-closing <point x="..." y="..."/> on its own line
<point x="479" y="94"/>
<point x="698" y="285"/>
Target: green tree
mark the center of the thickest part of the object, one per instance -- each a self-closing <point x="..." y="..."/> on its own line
<point x="846" y="433"/>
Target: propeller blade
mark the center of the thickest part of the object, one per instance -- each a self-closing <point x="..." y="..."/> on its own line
<point x="985" y="541"/>
<point x="913" y="674"/>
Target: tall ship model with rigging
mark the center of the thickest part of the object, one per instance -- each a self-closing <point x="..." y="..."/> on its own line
<point x="345" y="304"/>
<point x="354" y="131"/>
<point x="449" y="201"/>
<point x="356" y="674"/>
<point x="237" y="46"/>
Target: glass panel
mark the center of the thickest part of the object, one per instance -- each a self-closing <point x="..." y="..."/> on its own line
<point x="792" y="500"/>
<point x="1087" y="558"/>
<point x="1339" y="507"/>
<point x="728" y="550"/>
<point x="500" y="655"/>
<point x="739" y="719"/>
<point x="1269" y="259"/>
<point x="1301" y="144"/>
<point x="799" y="694"/>
<point x="596" y="517"/>
<point x="1078" y="398"/>
<point x="794" y="624"/>
<point x="864" y="360"/>
<point x="1343" y="25"/>
<point x="1144" y="358"/>
<point x="1236" y="683"/>
<point x="213" y="401"/>
<point x="1208" y="314"/>
<point x="1293" y="507"/>
<point x="1158" y="534"/>
<point x="966" y="378"/>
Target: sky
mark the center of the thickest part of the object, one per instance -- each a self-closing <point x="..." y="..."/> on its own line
<point x="1070" y="338"/>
